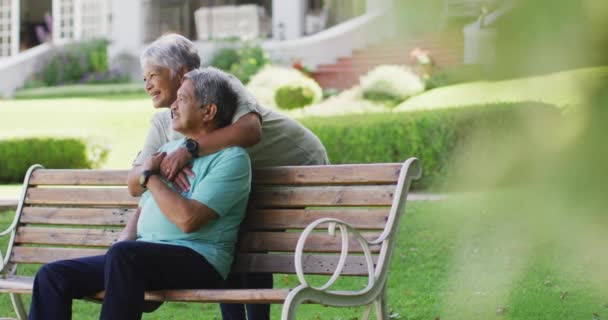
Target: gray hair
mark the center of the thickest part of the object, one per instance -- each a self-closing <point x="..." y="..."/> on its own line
<point x="212" y="85"/>
<point x="171" y="51"/>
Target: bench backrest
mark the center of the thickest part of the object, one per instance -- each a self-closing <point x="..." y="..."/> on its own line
<point x="74" y="213"/>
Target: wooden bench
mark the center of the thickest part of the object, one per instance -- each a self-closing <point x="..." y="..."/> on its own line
<point x="66" y="214"/>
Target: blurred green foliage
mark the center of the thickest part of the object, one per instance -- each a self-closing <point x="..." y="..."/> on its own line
<point x="435" y="137"/>
<point x="18" y="154"/>
<point x="543" y="36"/>
<point x="243" y="62"/>
<point x="455" y="75"/>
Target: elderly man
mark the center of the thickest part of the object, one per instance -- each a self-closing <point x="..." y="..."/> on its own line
<point x="271" y="139"/>
<point x="181" y="240"/>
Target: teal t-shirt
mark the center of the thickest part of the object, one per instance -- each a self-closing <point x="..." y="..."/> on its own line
<point x="222" y="183"/>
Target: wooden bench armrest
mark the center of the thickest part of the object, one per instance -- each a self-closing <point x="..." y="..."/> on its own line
<point x="346" y="231"/>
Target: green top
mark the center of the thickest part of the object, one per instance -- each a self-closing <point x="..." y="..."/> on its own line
<point x="222" y="183"/>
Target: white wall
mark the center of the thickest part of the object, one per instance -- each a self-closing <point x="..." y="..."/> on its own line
<point x="15" y="70"/>
<point x="326" y="46"/>
<point x="288" y="19"/>
<point x="127" y="35"/>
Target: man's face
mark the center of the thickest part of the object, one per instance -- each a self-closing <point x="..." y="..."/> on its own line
<point x="187" y="114"/>
<point x="160" y="85"/>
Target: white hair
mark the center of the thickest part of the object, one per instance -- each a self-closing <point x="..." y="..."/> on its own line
<point x="171" y="51"/>
<point x="212" y="85"/>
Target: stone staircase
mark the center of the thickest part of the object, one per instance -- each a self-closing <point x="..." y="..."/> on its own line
<point x="445" y="50"/>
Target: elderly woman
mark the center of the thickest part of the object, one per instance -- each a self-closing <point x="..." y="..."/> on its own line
<point x="271" y="139"/>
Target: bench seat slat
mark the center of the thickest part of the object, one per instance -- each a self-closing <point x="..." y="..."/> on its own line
<point x="41" y="255"/>
<point x="287" y="241"/>
<point x="250" y="241"/>
<point x="280" y="219"/>
<point x="345" y="174"/>
<point x="313" y="264"/>
<point x="251" y="262"/>
<point x="81" y="196"/>
<point x="76" y="216"/>
<point x="263" y="197"/>
<point x="67" y="236"/>
<point x="18" y="284"/>
<point x="76" y="177"/>
<point x="262" y="219"/>
<point x="333" y="196"/>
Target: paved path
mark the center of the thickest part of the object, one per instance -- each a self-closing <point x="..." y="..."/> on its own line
<point x="8" y="204"/>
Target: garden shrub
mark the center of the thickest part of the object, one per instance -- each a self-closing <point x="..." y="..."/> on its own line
<point x="455" y="75"/>
<point x="225" y="58"/>
<point x="243" y="63"/>
<point x="18" y="154"/>
<point x="265" y="84"/>
<point x="390" y="83"/>
<point x="85" y="62"/>
<point x="293" y="97"/>
<point x="436" y="137"/>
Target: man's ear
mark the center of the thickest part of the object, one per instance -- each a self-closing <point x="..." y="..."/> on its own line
<point x="209" y="112"/>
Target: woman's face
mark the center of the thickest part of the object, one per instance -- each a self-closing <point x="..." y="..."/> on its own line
<point x="160" y="85"/>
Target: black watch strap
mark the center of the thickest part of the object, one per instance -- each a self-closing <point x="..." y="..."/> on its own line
<point x="145" y="176"/>
<point x="192" y="147"/>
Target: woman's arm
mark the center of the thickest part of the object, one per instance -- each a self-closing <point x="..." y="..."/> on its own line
<point x="245" y="132"/>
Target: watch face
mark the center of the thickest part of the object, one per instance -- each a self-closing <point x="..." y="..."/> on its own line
<point x="190" y="145"/>
<point x="142" y="179"/>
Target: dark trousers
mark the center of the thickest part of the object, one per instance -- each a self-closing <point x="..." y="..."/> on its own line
<point x="125" y="272"/>
<point x="247" y="281"/>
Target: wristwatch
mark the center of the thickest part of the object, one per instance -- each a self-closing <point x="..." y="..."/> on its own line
<point x="145" y="176"/>
<point x="192" y="147"/>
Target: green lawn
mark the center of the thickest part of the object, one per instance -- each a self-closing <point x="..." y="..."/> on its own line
<point x="120" y="90"/>
<point x="462" y="258"/>
<point x="120" y="123"/>
<point x="561" y="89"/>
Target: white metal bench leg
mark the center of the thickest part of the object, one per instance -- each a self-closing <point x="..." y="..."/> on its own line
<point x="18" y="306"/>
<point x="381" y="307"/>
<point x="368" y="311"/>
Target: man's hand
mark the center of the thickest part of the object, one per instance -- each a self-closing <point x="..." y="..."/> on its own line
<point x="154" y="161"/>
<point x="176" y="169"/>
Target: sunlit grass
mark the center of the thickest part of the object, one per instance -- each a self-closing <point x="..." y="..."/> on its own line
<point x="562" y="89"/>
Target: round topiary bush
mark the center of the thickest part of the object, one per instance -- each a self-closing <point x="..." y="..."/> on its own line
<point x="265" y="84"/>
<point x="293" y="97"/>
<point x="390" y="83"/>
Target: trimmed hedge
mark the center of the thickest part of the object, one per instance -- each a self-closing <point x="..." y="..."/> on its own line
<point x="18" y="154"/>
<point x="435" y="137"/>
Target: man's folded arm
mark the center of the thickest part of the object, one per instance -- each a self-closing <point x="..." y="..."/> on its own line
<point x="187" y="214"/>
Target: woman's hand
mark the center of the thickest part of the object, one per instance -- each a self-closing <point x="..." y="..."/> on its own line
<point x="175" y="168"/>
